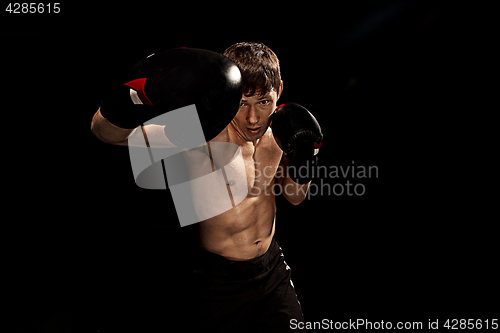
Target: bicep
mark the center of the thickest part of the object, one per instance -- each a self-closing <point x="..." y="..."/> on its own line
<point x="150" y="135"/>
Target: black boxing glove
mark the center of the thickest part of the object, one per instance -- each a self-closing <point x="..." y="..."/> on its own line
<point x="298" y="134"/>
<point x="121" y="110"/>
<point x="173" y="79"/>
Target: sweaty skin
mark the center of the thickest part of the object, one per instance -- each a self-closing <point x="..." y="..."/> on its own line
<point x="245" y="231"/>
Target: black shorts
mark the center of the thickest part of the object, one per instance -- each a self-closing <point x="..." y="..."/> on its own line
<point x="244" y="296"/>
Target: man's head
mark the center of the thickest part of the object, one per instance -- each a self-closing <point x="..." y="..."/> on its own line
<point x="262" y="86"/>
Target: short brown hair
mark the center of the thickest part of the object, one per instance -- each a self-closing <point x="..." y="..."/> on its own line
<point x="259" y="67"/>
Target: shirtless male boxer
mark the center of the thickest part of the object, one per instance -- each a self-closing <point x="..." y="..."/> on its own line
<point x="242" y="281"/>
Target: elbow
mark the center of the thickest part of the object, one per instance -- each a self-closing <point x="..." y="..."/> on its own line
<point x="295" y="193"/>
<point x="95" y="131"/>
<point x="107" y="132"/>
<point x="295" y="200"/>
<point x="95" y="128"/>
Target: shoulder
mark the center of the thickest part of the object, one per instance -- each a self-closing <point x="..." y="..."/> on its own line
<point x="267" y="140"/>
<point x="222" y="136"/>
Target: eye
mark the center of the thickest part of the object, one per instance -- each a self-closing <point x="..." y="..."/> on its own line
<point x="264" y="102"/>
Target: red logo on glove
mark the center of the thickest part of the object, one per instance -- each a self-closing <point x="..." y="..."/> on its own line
<point x="138" y="85"/>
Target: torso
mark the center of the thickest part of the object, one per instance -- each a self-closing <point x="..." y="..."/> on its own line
<point x="245" y="231"/>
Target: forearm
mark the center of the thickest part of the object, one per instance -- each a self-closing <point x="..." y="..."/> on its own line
<point x="299" y="136"/>
<point x="293" y="192"/>
<point x="109" y="133"/>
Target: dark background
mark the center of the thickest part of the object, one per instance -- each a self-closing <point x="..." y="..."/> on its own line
<point x="393" y="85"/>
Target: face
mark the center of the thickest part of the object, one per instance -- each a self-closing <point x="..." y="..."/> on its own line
<point x="254" y="115"/>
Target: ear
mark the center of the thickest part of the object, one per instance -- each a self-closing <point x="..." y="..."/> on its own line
<point x="281" y="89"/>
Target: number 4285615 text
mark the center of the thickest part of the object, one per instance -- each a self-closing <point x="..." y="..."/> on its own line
<point x="33" y="8"/>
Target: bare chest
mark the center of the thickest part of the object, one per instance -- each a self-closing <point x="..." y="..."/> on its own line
<point x="225" y="173"/>
<point x="260" y="165"/>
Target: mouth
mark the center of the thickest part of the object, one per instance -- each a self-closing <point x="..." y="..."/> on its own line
<point x="254" y="131"/>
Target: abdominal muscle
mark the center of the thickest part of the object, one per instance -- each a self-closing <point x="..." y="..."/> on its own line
<point x="242" y="233"/>
<point x="246" y="231"/>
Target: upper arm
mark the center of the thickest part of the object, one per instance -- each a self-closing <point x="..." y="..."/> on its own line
<point x="152" y="135"/>
<point x="105" y="131"/>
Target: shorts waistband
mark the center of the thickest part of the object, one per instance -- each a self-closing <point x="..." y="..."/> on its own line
<point x="214" y="263"/>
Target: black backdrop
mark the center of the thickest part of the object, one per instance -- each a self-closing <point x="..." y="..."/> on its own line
<point x="90" y="251"/>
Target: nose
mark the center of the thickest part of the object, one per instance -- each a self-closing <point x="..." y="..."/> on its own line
<point x="253" y="117"/>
